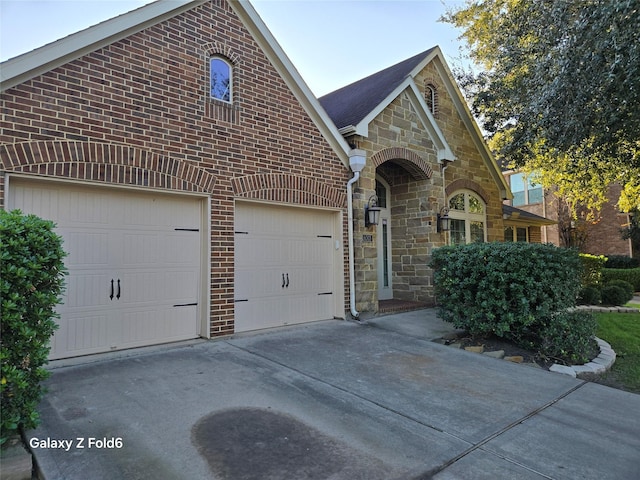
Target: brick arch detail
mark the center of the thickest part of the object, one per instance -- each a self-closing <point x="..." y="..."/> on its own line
<point x="107" y="163"/>
<point x="287" y="188"/>
<point x="417" y="167"/>
<point x="465" y="184"/>
<point x="216" y="48"/>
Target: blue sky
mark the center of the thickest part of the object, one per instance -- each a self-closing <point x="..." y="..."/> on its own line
<point x="331" y="43"/>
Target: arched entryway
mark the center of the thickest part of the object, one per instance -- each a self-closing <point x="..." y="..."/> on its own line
<point x="408" y="200"/>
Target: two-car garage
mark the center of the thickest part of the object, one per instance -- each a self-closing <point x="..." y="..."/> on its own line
<point x="138" y="263"/>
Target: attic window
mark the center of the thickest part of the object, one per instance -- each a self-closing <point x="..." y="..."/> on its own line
<point x="431" y="97"/>
<point x="220" y="79"/>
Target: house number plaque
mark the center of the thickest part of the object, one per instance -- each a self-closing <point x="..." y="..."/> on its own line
<point x="367" y="238"/>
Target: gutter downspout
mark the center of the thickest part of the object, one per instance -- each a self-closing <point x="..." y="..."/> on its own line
<point x="352" y="281"/>
<point x="357" y="160"/>
<point x="445" y="165"/>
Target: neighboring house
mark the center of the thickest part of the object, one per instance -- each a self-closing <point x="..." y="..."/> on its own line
<point x="426" y="157"/>
<point x="201" y="189"/>
<point x="600" y="236"/>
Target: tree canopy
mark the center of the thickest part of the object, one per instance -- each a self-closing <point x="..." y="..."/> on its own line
<point x="558" y="90"/>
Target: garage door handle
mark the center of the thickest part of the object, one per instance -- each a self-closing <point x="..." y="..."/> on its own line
<point x="111" y="296"/>
<point x="118" y="295"/>
<point x="283" y="280"/>
<point x="287" y="280"/>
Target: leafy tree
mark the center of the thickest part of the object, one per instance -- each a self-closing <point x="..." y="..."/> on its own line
<point x="559" y="90"/>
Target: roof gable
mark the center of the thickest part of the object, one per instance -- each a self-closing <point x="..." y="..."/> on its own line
<point x="354" y="106"/>
<point x="31" y="64"/>
<point x="349" y="105"/>
<point x="41" y="60"/>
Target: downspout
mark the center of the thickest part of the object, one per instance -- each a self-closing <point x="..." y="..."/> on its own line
<point x="445" y="165"/>
<point x="444" y="185"/>
<point x="357" y="160"/>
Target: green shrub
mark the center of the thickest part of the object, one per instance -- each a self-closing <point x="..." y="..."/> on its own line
<point x="626" y="286"/>
<point x="568" y="336"/>
<point x="589" y="295"/>
<point x="506" y="289"/>
<point x="31" y="282"/>
<point x="615" y="295"/>
<point x="631" y="275"/>
<point x="592" y="268"/>
<point x="621" y="261"/>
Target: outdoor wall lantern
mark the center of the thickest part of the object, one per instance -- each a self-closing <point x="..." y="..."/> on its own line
<point x="444" y="222"/>
<point x="371" y="212"/>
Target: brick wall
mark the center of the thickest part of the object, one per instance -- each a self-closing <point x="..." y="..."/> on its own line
<point x="138" y="113"/>
<point x="603" y="237"/>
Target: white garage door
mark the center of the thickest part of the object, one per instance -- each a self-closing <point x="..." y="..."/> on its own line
<point x="134" y="264"/>
<point x="284" y="266"/>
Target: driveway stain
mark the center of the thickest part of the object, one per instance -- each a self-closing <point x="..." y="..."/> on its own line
<point x="254" y="443"/>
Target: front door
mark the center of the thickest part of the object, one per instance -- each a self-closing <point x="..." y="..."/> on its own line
<point x="383" y="239"/>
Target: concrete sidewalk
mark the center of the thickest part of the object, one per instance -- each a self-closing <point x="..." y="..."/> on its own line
<point x="332" y="400"/>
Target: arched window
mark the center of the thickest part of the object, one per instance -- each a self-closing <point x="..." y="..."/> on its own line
<point x="468" y="217"/>
<point x="220" y="75"/>
<point x="431" y="97"/>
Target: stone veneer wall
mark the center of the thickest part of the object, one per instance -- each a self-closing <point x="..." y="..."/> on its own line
<point x="417" y="194"/>
<point x="469" y="165"/>
<point x="415" y="198"/>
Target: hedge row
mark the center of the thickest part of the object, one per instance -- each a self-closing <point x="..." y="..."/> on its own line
<point x="631" y="275"/>
<point x="621" y="261"/>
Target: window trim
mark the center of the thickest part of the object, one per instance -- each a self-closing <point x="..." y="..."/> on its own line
<point x="431" y="97"/>
<point x="514" y="233"/>
<point x="467" y="216"/>
<point x="527" y="188"/>
<point x="229" y="65"/>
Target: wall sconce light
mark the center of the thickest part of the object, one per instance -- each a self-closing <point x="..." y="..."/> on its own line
<point x="371" y="212"/>
<point x="444" y="222"/>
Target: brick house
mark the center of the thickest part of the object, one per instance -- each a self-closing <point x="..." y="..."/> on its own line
<point x="187" y="212"/>
<point x="600" y="236"/>
<point x="202" y="190"/>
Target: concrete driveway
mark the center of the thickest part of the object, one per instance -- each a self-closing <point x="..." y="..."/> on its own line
<point x="331" y="400"/>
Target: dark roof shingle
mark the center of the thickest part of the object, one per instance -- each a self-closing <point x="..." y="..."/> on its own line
<point x="351" y="104"/>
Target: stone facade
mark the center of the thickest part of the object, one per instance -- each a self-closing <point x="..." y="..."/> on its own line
<point x="401" y="152"/>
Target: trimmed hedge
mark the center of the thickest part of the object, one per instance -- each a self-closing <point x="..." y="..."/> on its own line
<point x="31" y="282"/>
<point x="513" y="291"/>
<point x="631" y="275"/>
<point x="621" y="261"/>
<point x="613" y="294"/>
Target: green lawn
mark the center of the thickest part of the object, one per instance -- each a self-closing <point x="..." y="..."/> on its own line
<point x="622" y="331"/>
